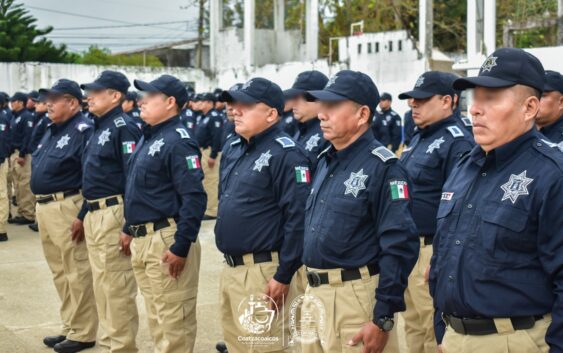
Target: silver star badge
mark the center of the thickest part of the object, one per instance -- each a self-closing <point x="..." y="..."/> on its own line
<point x="262" y="161"/>
<point x="355" y="183"/>
<point x="516" y="186"/>
<point x="435" y="145"/>
<point x="63" y="141"/>
<point x="489" y="64"/>
<point x="155" y="147"/>
<point x="312" y="142"/>
<point x="104" y="137"/>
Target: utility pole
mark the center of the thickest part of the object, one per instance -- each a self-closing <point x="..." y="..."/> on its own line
<point x="200" y="30"/>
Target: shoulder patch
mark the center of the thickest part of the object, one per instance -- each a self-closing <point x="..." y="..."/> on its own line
<point x="558" y="146"/>
<point x="285" y="142"/>
<point x="455" y="131"/>
<point x="214" y="113"/>
<point x="183" y="133"/>
<point x="466" y="121"/>
<point x="119" y="122"/>
<point x="383" y="153"/>
<point x="393" y="113"/>
<point x="82" y="127"/>
<point x="236" y="142"/>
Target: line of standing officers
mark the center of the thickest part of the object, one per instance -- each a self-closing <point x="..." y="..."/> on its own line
<point x="464" y="231"/>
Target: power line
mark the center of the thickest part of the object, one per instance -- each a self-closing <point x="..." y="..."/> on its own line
<point x="153" y="24"/>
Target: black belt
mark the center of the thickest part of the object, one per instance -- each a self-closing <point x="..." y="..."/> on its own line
<point x="259" y="258"/>
<point x="479" y="327"/>
<point x="140" y="230"/>
<point x="427" y="238"/>
<point x="96" y="205"/>
<point x="52" y="197"/>
<point x="317" y="279"/>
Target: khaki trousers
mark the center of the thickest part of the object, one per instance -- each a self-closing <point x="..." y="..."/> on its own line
<point x="248" y="324"/>
<point x="347" y="307"/>
<point x="506" y="341"/>
<point x="419" y="316"/>
<point x="69" y="265"/>
<point x="12" y="186"/>
<point x="24" y="197"/>
<point x="211" y="181"/>
<point x="170" y="303"/>
<point x="115" y="288"/>
<point x="4" y="199"/>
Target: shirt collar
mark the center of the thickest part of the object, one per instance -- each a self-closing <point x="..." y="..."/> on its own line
<point x="101" y="121"/>
<point x="430" y="129"/>
<point x="149" y="131"/>
<point x="262" y="136"/>
<point x="501" y="155"/>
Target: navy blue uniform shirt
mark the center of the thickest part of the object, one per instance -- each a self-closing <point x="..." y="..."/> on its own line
<point x="429" y="159"/>
<point x="264" y="184"/>
<point x="554" y="132"/>
<point x="189" y="119"/>
<point x="288" y="124"/>
<point x="41" y="122"/>
<point x="165" y="181"/>
<point x="498" y="250"/>
<point x="107" y="155"/>
<point x="209" y="132"/>
<point x="21" y="127"/>
<point x="392" y="121"/>
<point x="56" y="165"/>
<point x="135" y="114"/>
<point x="409" y="128"/>
<point x="358" y="214"/>
<point x="310" y="136"/>
<point x="5" y="136"/>
<point x="380" y="130"/>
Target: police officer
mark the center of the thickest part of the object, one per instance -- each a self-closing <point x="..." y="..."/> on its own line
<point x="287" y="123"/>
<point x="188" y="116"/>
<point x="264" y="183"/>
<point x="550" y="116"/>
<point x="106" y="158"/>
<point x="360" y="239"/>
<point x="164" y="206"/>
<point x="21" y="129"/>
<point x="56" y="180"/>
<point x="437" y="146"/>
<point x="309" y="134"/>
<point x="393" y="120"/>
<point x="131" y="108"/>
<point x="31" y="101"/>
<point x="497" y="266"/>
<point x="4" y="167"/>
<point x="209" y="132"/>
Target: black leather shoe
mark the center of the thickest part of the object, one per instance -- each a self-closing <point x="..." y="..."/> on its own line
<point x="3" y="237"/>
<point x="34" y="227"/>
<point x="51" y="341"/>
<point x="20" y="220"/>
<point x="69" y="346"/>
<point x="221" y="347"/>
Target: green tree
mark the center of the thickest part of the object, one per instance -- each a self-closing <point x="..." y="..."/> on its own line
<point x="102" y="56"/>
<point x="21" y="40"/>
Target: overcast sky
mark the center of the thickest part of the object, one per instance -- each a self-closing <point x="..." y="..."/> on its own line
<point x="170" y="20"/>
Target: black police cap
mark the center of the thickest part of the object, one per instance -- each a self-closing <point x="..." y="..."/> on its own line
<point x="348" y="85"/>
<point x="207" y="96"/>
<point x="19" y="96"/>
<point x="386" y="96"/>
<point x="506" y="67"/>
<point x="257" y="90"/>
<point x="64" y="86"/>
<point x="33" y="95"/>
<point x="41" y="97"/>
<point x="132" y="96"/>
<point x="430" y="84"/>
<point x="306" y="81"/>
<point x="109" y="79"/>
<point x="234" y="87"/>
<point x="167" y="84"/>
<point x="553" y="81"/>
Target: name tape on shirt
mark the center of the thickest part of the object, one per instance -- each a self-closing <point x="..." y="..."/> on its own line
<point x="447" y="196"/>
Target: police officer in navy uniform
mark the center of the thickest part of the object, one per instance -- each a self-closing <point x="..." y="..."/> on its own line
<point x="392" y="119"/>
<point x="309" y="134"/>
<point x="131" y="108"/>
<point x="164" y="206"/>
<point x="4" y="167"/>
<point x="188" y="116"/>
<point x="56" y="180"/>
<point x="360" y="238"/>
<point x="550" y="116"/>
<point x="497" y="270"/>
<point x="439" y="142"/>
<point x="264" y="183"/>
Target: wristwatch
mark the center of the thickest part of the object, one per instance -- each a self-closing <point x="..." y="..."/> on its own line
<point x="385" y="324"/>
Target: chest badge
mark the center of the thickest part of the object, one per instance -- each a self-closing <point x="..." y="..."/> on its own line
<point x="104" y="137"/>
<point x="155" y="147"/>
<point x="312" y="142"/>
<point x="262" y="161"/>
<point x="355" y="183"/>
<point x="516" y="186"/>
<point x="63" y="141"/>
<point x="435" y="145"/>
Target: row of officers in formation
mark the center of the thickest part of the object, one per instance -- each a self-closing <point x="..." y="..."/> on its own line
<point x="463" y="232"/>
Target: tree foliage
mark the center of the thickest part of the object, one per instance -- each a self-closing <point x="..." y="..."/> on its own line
<point x="102" y="56"/>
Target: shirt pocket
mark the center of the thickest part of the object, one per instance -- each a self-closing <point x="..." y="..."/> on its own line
<point x="255" y="187"/>
<point x="150" y="174"/>
<point x="503" y="236"/>
<point x="345" y="217"/>
<point x="427" y="171"/>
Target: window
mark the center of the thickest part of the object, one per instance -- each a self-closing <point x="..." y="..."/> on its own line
<point x="390" y="46"/>
<point x="400" y="45"/>
<point x="359" y="48"/>
<point x="377" y="47"/>
<point x="369" y="48"/>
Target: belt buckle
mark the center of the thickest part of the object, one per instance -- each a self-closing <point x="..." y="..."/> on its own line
<point x="134" y="229"/>
<point x="229" y="260"/>
<point x="314" y="279"/>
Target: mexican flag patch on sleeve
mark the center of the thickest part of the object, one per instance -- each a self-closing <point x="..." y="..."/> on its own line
<point x="193" y="162"/>
<point x="302" y="175"/>
<point x="128" y="147"/>
<point x="399" y="190"/>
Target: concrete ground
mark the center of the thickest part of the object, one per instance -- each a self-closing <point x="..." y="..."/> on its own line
<point x="29" y="303"/>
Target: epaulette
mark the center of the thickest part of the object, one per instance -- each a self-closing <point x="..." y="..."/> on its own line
<point x="119" y="122"/>
<point x="236" y="142"/>
<point x="455" y="131"/>
<point x="466" y="121"/>
<point x="285" y="142"/>
<point x="559" y="145"/>
<point x="323" y="152"/>
<point x="383" y="153"/>
<point x="83" y="127"/>
<point x="183" y="133"/>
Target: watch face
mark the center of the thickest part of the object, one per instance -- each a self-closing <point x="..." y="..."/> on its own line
<point x="388" y="325"/>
